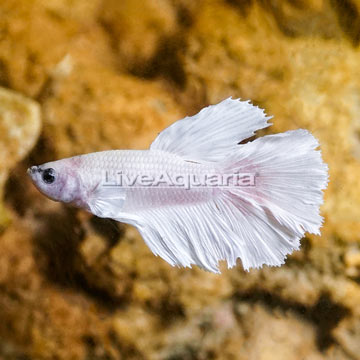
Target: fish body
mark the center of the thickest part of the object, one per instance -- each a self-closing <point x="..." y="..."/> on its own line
<point x="187" y="194"/>
<point x="106" y="167"/>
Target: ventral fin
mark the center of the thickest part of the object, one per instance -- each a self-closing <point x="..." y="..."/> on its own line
<point x="107" y="201"/>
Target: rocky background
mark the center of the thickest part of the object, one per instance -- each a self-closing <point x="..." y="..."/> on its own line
<point x="79" y="76"/>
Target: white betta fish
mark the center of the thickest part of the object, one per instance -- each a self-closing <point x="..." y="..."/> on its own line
<point x="198" y="196"/>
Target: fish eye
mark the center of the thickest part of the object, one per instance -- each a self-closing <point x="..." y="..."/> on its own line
<point x="48" y="175"/>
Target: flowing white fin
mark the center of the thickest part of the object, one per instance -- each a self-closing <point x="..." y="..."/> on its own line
<point x="213" y="132"/>
<point x="286" y="198"/>
<point x="260" y="224"/>
<point x="106" y="201"/>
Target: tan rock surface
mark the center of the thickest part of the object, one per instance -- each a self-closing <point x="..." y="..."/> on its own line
<point x="112" y="74"/>
<point x="20" y="124"/>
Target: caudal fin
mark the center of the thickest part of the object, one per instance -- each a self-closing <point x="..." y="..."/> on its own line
<point x="271" y="215"/>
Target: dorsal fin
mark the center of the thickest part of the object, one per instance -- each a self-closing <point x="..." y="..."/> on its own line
<point x="212" y="133"/>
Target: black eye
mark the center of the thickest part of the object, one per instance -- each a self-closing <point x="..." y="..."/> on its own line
<point x="48" y="175"/>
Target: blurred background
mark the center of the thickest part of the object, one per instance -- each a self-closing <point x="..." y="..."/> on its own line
<point x="79" y="76"/>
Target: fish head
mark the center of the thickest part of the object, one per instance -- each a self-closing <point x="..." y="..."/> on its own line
<point x="58" y="180"/>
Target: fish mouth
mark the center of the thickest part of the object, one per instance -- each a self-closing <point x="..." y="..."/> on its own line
<point x="33" y="170"/>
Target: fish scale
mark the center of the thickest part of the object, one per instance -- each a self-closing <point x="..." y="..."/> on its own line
<point x="141" y="162"/>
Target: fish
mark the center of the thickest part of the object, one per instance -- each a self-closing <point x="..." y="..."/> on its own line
<point x="205" y="191"/>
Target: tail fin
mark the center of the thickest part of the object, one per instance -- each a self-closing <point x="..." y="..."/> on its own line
<point x="271" y="216"/>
